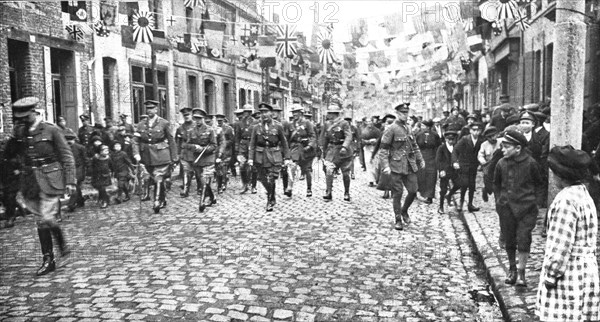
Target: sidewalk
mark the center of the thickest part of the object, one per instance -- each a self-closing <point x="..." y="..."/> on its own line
<point x="517" y="304"/>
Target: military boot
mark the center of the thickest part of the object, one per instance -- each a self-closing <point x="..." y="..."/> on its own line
<point x="329" y="186"/>
<point x="521" y="278"/>
<point x="186" y="186"/>
<point x="156" y="207"/>
<point x="398" y="225"/>
<point x="145" y="190"/>
<point x="49" y="264"/>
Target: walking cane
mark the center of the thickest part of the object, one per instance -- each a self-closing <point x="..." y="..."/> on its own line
<point x="204" y="184"/>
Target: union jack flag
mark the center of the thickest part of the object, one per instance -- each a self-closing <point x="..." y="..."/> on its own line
<point x="249" y="35"/>
<point x="522" y="21"/>
<point x="286" y="41"/>
<point x="75" y="32"/>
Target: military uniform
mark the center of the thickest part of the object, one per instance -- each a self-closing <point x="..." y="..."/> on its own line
<point x="224" y="153"/>
<point x="243" y="132"/>
<point x="336" y="140"/>
<point x="354" y="144"/>
<point x="303" y="146"/>
<point x="183" y="135"/>
<point x="401" y="156"/>
<point x="48" y="170"/>
<point x="202" y="145"/>
<point x="156" y="149"/>
<point x="268" y="149"/>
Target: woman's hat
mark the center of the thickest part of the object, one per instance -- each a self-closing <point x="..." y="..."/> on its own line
<point x="569" y="163"/>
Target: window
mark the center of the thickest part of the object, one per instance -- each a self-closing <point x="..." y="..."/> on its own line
<point x="17" y="51"/>
<point x="189" y="19"/>
<point x="156" y="7"/>
<point x="242" y="97"/>
<point x="548" y="71"/>
<point x="537" y="74"/>
<point x="108" y="66"/>
<point x="192" y="91"/>
<point x="226" y="98"/>
<point x="209" y="95"/>
<point x="141" y="84"/>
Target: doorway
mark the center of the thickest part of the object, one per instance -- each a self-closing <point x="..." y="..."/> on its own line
<point x="64" y="85"/>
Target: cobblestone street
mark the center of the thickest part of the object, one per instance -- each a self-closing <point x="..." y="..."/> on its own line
<point x="307" y="261"/>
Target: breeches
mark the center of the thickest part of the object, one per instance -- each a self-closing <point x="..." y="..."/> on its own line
<point x="268" y="173"/>
<point x="158" y="173"/>
<point x="399" y="181"/>
<point x="44" y="208"/>
<point x="205" y="172"/>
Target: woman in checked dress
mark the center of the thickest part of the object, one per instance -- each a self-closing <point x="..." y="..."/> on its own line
<point x="569" y="288"/>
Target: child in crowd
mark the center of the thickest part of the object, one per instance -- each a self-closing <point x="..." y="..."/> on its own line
<point x="516" y="178"/>
<point x="121" y="167"/>
<point x="101" y="175"/>
<point x="443" y="159"/>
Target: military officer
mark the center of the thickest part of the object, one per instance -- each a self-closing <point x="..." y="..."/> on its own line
<point x="243" y="131"/>
<point x="225" y="152"/>
<point x="85" y="131"/>
<point x="303" y="145"/>
<point x="203" y="145"/>
<point x="155" y="147"/>
<point x="277" y="118"/>
<point x="355" y="140"/>
<point x="400" y="156"/>
<point x="186" y="158"/>
<point x="269" y="150"/>
<point x="336" y="140"/>
<point x="48" y="171"/>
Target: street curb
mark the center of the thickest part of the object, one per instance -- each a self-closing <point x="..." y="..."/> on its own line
<point x="512" y="309"/>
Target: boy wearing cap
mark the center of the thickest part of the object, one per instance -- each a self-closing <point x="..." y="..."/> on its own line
<point x="121" y="167"/>
<point x="183" y="135"/>
<point x="48" y="170"/>
<point x="101" y="169"/>
<point x="156" y="149"/>
<point x="81" y="162"/>
<point x="443" y="160"/>
<point x="224" y="153"/>
<point x="516" y="180"/>
<point x="243" y="132"/>
<point x="485" y="154"/>
<point x="538" y="144"/>
<point x="464" y="159"/>
<point x="402" y="158"/>
<point x="269" y="149"/>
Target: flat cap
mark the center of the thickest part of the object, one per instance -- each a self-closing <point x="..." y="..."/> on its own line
<point x="238" y="111"/>
<point x="265" y="107"/>
<point x="185" y="111"/>
<point x="528" y="116"/>
<point x="513" y="119"/>
<point x="220" y="116"/>
<point x="515" y="137"/>
<point x="402" y="107"/>
<point x="476" y="125"/>
<point x="333" y="108"/>
<point x="248" y="108"/>
<point x="150" y="104"/>
<point x="297" y="108"/>
<point x="472" y="116"/>
<point x="491" y="130"/>
<point x="24" y="106"/>
<point x="198" y="112"/>
<point x="84" y="117"/>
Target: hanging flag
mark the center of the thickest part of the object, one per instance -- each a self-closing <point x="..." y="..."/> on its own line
<point x="286" y="41"/>
<point x="127" y="37"/>
<point x="194" y="3"/>
<point x="468" y="24"/>
<point x="197" y="43"/>
<point x="78" y="11"/>
<point x="507" y="9"/>
<point x="143" y="24"/>
<point x="75" y="32"/>
<point x="249" y="35"/>
<point x="474" y="41"/>
<point x="101" y="29"/>
<point x="325" y="49"/>
<point x="522" y="21"/>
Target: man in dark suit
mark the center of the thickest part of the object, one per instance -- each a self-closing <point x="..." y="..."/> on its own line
<point x="464" y="159"/>
<point x="155" y="147"/>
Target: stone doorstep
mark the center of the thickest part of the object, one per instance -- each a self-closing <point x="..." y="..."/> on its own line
<point x="495" y="271"/>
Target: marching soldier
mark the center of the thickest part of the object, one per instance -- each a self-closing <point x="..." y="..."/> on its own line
<point x="155" y="148"/>
<point x="303" y="145"/>
<point x="401" y="157"/>
<point x="285" y="177"/>
<point x="336" y="141"/>
<point x="268" y="148"/>
<point x="186" y="157"/>
<point x="243" y="131"/>
<point x="48" y="171"/>
<point x="354" y="144"/>
<point x="203" y="144"/>
<point x="225" y="152"/>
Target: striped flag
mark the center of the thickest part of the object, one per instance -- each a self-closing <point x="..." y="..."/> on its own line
<point x="508" y="9"/>
<point x="143" y="24"/>
<point x="194" y="3"/>
<point x="325" y="48"/>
